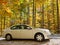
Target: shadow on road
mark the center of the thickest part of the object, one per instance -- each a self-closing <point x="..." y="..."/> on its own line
<point x="28" y="40"/>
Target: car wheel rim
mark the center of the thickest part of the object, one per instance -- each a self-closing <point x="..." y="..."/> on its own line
<point x="39" y="37"/>
<point x="8" y="37"/>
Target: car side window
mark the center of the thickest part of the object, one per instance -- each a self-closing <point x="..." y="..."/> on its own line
<point x="16" y="27"/>
<point x="26" y="27"/>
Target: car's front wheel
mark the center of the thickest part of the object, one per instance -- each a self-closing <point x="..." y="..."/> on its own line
<point x="39" y="37"/>
<point x="8" y="37"/>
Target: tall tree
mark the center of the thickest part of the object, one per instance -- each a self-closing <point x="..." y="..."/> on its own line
<point x="57" y="13"/>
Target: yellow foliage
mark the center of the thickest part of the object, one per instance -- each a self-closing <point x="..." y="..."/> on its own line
<point x="8" y="10"/>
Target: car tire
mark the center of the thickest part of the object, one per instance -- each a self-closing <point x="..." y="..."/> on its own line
<point x="39" y="37"/>
<point x="8" y="37"/>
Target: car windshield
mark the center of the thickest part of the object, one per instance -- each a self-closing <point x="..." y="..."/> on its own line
<point x="26" y="27"/>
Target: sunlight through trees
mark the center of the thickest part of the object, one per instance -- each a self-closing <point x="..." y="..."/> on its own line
<point x="36" y="13"/>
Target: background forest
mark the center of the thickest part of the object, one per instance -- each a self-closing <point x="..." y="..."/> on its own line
<point x="36" y="13"/>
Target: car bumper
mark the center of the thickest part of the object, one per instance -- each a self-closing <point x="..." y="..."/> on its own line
<point x="47" y="37"/>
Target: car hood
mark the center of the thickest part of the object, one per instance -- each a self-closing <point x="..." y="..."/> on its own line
<point x="41" y="29"/>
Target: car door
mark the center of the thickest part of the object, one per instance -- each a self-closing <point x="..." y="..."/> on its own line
<point x="26" y="32"/>
<point x="15" y="31"/>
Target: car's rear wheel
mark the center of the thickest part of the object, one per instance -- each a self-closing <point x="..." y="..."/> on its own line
<point x="8" y="37"/>
<point x="39" y="37"/>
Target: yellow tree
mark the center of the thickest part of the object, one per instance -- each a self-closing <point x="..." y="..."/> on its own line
<point x="40" y="4"/>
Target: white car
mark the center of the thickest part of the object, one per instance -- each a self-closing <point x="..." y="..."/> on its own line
<point x="26" y="32"/>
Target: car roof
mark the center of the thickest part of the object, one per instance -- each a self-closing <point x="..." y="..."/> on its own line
<point x="21" y="24"/>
